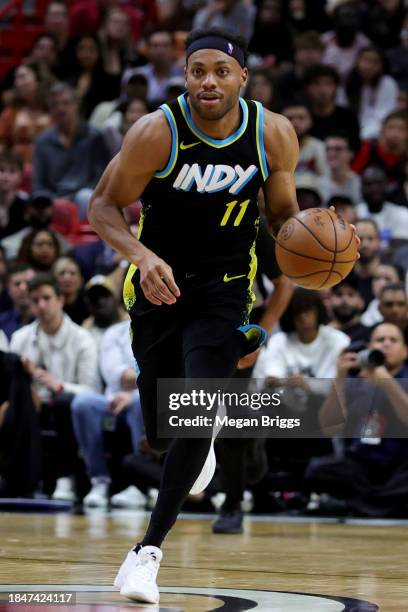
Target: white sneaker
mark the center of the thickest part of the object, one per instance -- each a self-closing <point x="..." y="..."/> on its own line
<point x="98" y="495"/>
<point x="129" y="498"/>
<point x="207" y="473"/>
<point x="137" y="575"/>
<point x="64" y="489"/>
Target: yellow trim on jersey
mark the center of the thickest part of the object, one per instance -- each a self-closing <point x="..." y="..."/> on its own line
<point x="253" y="265"/>
<point x="129" y="295"/>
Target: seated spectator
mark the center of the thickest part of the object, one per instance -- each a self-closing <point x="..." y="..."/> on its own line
<point x="271" y="38"/>
<point x="389" y="151"/>
<point x="308" y="52"/>
<point x="393" y="307"/>
<point x="341" y="179"/>
<point x="130" y="112"/>
<point x="18" y="277"/>
<point x="370" y="247"/>
<point x="385" y="19"/>
<point x="38" y="214"/>
<point x="161" y="66"/>
<point x="70" y="282"/>
<point x="344" y="207"/>
<point x="90" y="410"/>
<point x="371" y="93"/>
<point x="372" y="475"/>
<point x="92" y="84"/>
<point x="321" y="83"/>
<point x="399" y="193"/>
<point x="5" y="301"/>
<point x="234" y="15"/>
<point x="261" y="88"/>
<point x="27" y="115"/>
<point x="11" y="201"/>
<point x="40" y="249"/>
<point x="56" y="23"/>
<point x="343" y="43"/>
<point x="306" y="347"/>
<point x="110" y="114"/>
<point x="398" y="57"/>
<point x="312" y="155"/>
<point x="70" y="156"/>
<point x="103" y="305"/>
<point x="392" y="220"/>
<point x="346" y="307"/>
<point x="384" y="274"/>
<point x="62" y="360"/>
<point x="117" y="46"/>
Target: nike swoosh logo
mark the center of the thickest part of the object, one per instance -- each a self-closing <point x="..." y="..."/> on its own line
<point x="227" y="278"/>
<point x="187" y="146"/>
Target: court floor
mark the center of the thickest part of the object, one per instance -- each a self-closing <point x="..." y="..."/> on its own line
<point x="277" y="565"/>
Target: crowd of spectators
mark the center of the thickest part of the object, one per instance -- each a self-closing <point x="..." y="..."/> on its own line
<point x="338" y="70"/>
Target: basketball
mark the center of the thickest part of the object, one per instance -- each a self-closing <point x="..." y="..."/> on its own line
<point x="316" y="248"/>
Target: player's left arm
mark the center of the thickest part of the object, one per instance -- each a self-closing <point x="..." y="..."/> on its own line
<point x="282" y="154"/>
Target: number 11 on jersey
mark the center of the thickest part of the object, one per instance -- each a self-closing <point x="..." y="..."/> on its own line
<point x="230" y="207"/>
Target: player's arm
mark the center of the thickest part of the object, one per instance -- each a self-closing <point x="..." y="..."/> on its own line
<point x="282" y="153"/>
<point x="146" y="149"/>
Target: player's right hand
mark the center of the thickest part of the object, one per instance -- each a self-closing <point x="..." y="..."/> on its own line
<point x="157" y="280"/>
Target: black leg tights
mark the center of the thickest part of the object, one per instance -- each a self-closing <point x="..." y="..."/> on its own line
<point x="186" y="457"/>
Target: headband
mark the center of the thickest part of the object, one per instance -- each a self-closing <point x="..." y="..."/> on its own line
<point x="220" y="43"/>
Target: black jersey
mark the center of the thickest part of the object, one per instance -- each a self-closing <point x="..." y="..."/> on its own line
<point x="200" y="212"/>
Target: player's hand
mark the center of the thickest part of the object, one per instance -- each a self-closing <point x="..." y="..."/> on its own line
<point x="353" y="227"/>
<point x="248" y="360"/>
<point x="157" y="280"/>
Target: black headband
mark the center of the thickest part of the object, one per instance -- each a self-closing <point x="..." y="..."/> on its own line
<point x="220" y="43"/>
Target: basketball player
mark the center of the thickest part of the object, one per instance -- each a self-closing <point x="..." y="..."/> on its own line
<point x="197" y="163"/>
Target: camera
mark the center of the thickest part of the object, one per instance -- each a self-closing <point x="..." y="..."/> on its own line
<point x="366" y="357"/>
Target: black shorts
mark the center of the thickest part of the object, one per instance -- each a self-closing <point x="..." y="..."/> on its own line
<point x="206" y="314"/>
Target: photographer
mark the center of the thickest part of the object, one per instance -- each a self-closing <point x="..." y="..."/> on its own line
<point x="369" y="408"/>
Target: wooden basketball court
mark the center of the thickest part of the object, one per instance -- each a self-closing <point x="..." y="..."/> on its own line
<point x="277" y="565"/>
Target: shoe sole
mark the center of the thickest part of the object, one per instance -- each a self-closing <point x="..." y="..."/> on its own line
<point x="137" y="596"/>
<point x="229" y="532"/>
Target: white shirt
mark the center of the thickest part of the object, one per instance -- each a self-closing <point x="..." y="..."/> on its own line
<point x="350" y="188"/>
<point x="285" y="354"/>
<point x="376" y="103"/>
<point x="70" y="355"/>
<point x="116" y="355"/>
<point x="4" y="345"/>
<point x="372" y="314"/>
<point x="391" y="217"/>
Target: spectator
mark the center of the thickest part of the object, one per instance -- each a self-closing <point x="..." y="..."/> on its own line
<point x="116" y="42"/>
<point x="384" y="274"/>
<point x="234" y="15"/>
<point x="307" y="192"/>
<point x="261" y="88"/>
<point x="92" y="84"/>
<point x="11" y="202"/>
<point x="347" y="306"/>
<point x="272" y="37"/>
<point x="389" y="151"/>
<point x="56" y="23"/>
<point x="370" y="247"/>
<point x="5" y="301"/>
<point x="70" y="282"/>
<point x="391" y="219"/>
<point x="44" y="54"/>
<point x="109" y="114"/>
<point x="384" y="22"/>
<point x="371" y="94"/>
<point x="62" y="360"/>
<point x="130" y="112"/>
<point x="18" y="277"/>
<point x="89" y="410"/>
<point x="393" y="307"/>
<point x="344" y="207"/>
<point x="27" y="115"/>
<point x="40" y="248"/>
<point x="399" y="193"/>
<point x="38" y="214"/>
<point x="312" y="156"/>
<point x="398" y="57"/>
<point x="341" y="179"/>
<point x="161" y="66"/>
<point x="308" y="52"/>
<point x="343" y="43"/>
<point x="306" y="346"/>
<point x="70" y="156"/>
<point x="372" y="474"/>
<point x="321" y="84"/>
<point x="103" y="305"/>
